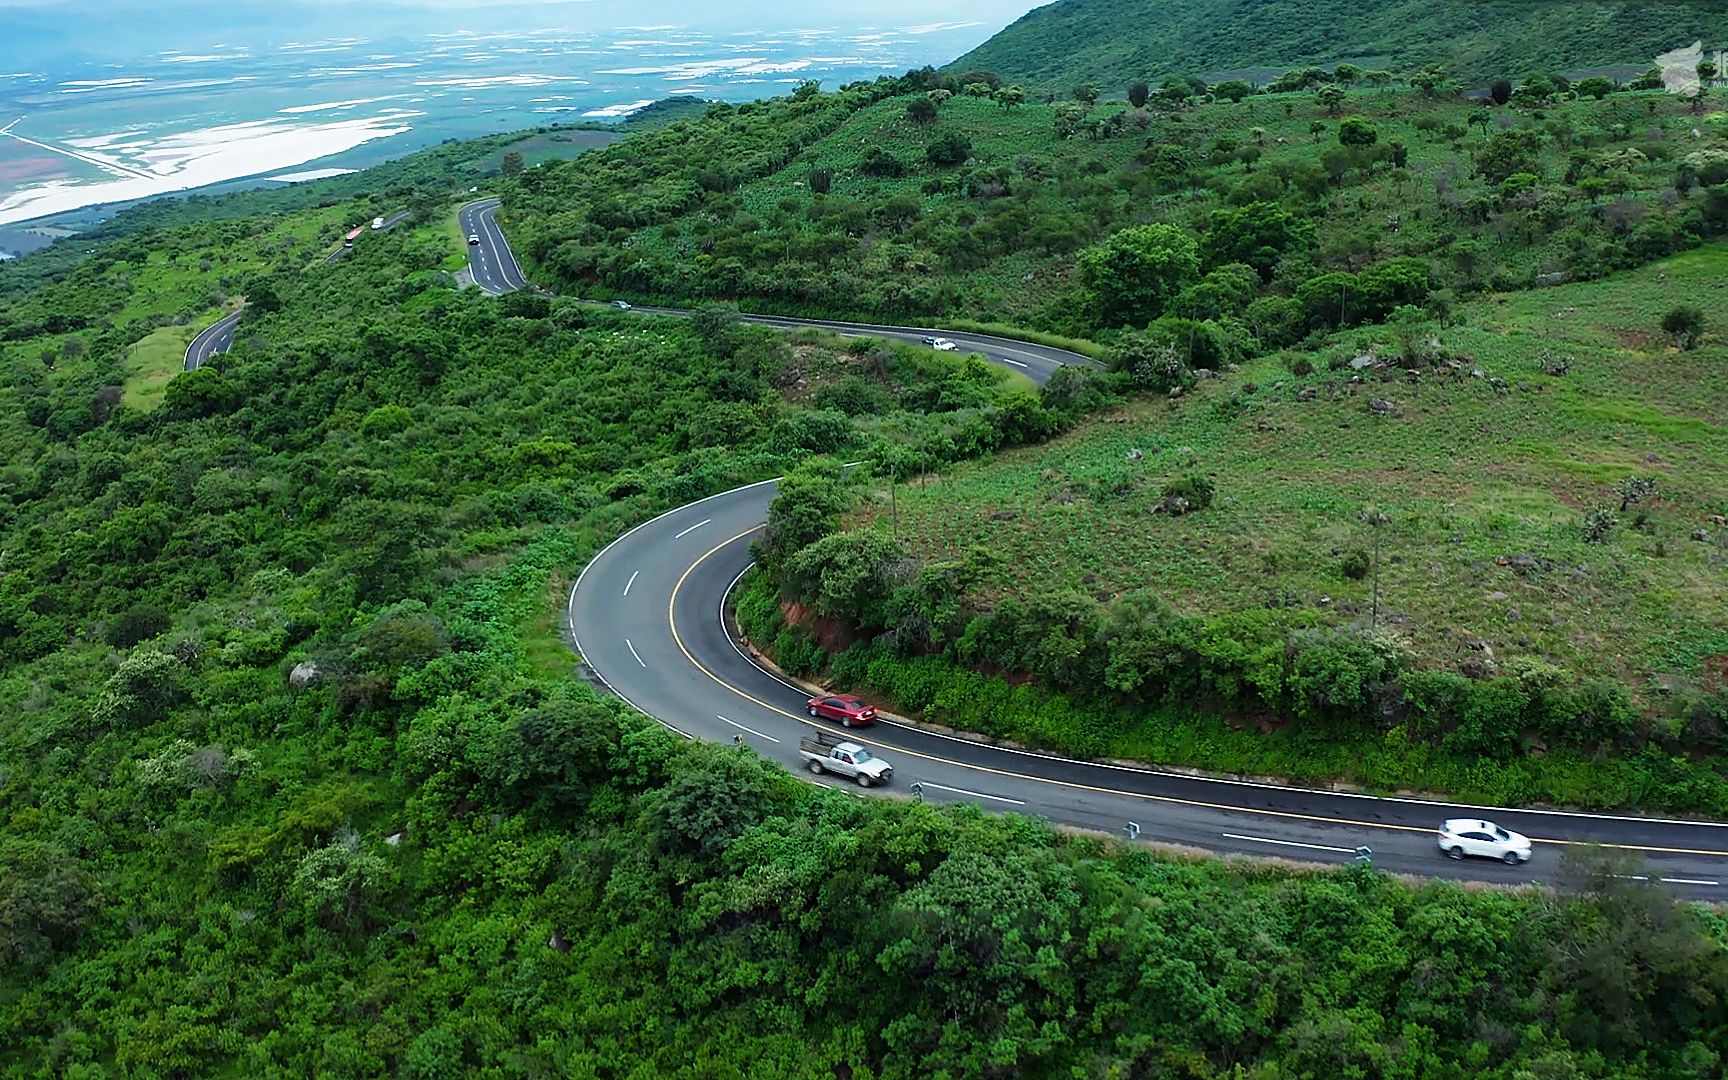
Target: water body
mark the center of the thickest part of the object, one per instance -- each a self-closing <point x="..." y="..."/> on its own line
<point x="100" y="133"/>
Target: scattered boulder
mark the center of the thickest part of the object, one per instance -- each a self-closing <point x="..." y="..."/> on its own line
<point x="1384" y="407"/>
<point x="1363" y="361"/>
<point x="305" y="673"/>
<point x="1701" y="535"/>
<point x="1497" y="595"/>
<point x="1004" y="515"/>
<point x="1136" y="454"/>
<point x="1477" y="667"/>
<point x="1306" y="393"/>
<point x="1205" y="374"/>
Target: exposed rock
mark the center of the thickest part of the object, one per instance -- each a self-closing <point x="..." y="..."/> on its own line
<point x="1176" y="391"/>
<point x="1004" y="515"/>
<point x="1476" y="667"/>
<point x="1205" y="374"/>
<point x="558" y="942"/>
<point x="1478" y="373"/>
<point x="1306" y="393"/>
<point x="305" y="673"/>
<point x="1476" y="644"/>
<point x="1512" y="614"/>
<point x="396" y="838"/>
<point x="1136" y="454"/>
<point x="1049" y="474"/>
<point x="1553" y="277"/>
<point x="1701" y="534"/>
<point x="1497" y="595"/>
<point x="1363" y="362"/>
<point x="1383" y="407"/>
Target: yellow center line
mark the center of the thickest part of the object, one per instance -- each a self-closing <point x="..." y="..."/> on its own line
<point x="671" y="606"/>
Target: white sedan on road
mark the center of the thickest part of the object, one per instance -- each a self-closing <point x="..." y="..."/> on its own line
<point x="941" y="344"/>
<point x="1472" y="836"/>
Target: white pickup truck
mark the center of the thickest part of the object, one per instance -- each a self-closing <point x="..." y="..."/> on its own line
<point x="824" y="753"/>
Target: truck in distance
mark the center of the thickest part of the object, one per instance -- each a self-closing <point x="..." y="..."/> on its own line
<point x="824" y="753"/>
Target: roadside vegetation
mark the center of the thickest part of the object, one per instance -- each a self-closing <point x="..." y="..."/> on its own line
<point x="936" y="196"/>
<point x="1484" y="557"/>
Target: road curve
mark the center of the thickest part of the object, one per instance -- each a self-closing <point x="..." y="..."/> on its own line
<point x="218" y="337"/>
<point x="490" y="262"/>
<point x="647" y="618"/>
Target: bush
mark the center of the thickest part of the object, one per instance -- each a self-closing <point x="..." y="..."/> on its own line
<point x="140" y="622"/>
<point x="1186" y="494"/>
<point x="1355" y="564"/>
<point x="1685" y="324"/>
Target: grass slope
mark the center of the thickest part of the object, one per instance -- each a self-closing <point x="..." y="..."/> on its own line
<point x="1470" y="475"/>
<point x="1115" y="42"/>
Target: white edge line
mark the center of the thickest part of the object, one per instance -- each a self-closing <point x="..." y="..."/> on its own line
<point x="741" y="727"/>
<point x="1666" y="880"/>
<point x="634" y="653"/>
<point x="1016" y="363"/>
<point x="1287" y="843"/>
<point x="1231" y="781"/>
<point x="976" y="794"/>
<point x="631" y="582"/>
<point x="692" y="529"/>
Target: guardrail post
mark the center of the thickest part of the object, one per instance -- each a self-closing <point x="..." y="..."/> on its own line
<point x="918" y="791"/>
<point x="1365" y="855"/>
<point x="1133" y="830"/>
<point x="737" y="740"/>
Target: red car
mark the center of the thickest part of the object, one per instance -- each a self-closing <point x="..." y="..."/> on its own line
<point x="850" y="711"/>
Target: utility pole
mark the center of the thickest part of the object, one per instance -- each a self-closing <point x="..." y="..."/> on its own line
<point x="1376" y="520"/>
<point x="894" y="499"/>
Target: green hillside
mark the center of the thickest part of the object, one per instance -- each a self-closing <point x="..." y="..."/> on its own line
<point x="1115" y="42"/>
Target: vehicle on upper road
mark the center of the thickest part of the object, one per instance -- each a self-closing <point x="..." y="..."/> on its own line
<point x="1472" y="836"/>
<point x="348" y="240"/>
<point x="377" y="223"/>
<point x="621" y="305"/>
<point x="474" y="239"/>
<point x="849" y="711"/>
<point x="824" y="753"/>
<point x="941" y="344"/>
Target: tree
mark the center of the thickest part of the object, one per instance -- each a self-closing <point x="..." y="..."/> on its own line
<point x="1635" y="489"/>
<point x="849" y="576"/>
<point x="1355" y="131"/>
<point x="1134" y="274"/>
<point x="1138" y="94"/>
<point x="511" y="163"/>
<point x="1348" y="74"/>
<point x="1009" y="96"/>
<point x="1500" y="90"/>
<point x="140" y="693"/>
<point x="1331" y="97"/>
<point x="1070" y="120"/>
<point x="948" y="148"/>
<point x="821" y="181"/>
<point x="1429" y="79"/>
<point x="1509" y="152"/>
<point x="1257" y="235"/>
<point x="1233" y="90"/>
<point x="921" y="111"/>
<point x="1685" y="324"/>
<point x="1086" y="94"/>
<point x="1706" y="72"/>
<point x="338" y="882"/>
<point x="1595" y="86"/>
<point x="806" y="508"/>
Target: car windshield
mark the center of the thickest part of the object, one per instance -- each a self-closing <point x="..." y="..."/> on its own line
<point x="859" y="757"/>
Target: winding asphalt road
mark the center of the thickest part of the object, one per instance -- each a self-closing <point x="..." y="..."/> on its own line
<point x="218" y="337"/>
<point x="648" y="616"/>
<point x="490" y="262"/>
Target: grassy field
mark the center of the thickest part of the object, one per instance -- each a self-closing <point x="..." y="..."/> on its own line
<point x="151" y="362"/>
<point x="1474" y="473"/>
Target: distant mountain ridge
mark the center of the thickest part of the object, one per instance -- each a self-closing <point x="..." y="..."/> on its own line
<point x="1114" y="42"/>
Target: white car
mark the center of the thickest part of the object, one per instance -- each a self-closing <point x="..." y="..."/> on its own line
<point x="1472" y="836"/>
<point x="941" y="344"/>
<point x="474" y="239"/>
<point x="621" y="305"/>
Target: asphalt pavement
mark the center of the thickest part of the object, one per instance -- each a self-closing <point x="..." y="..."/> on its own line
<point x="218" y="337"/>
<point x="491" y="261"/>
